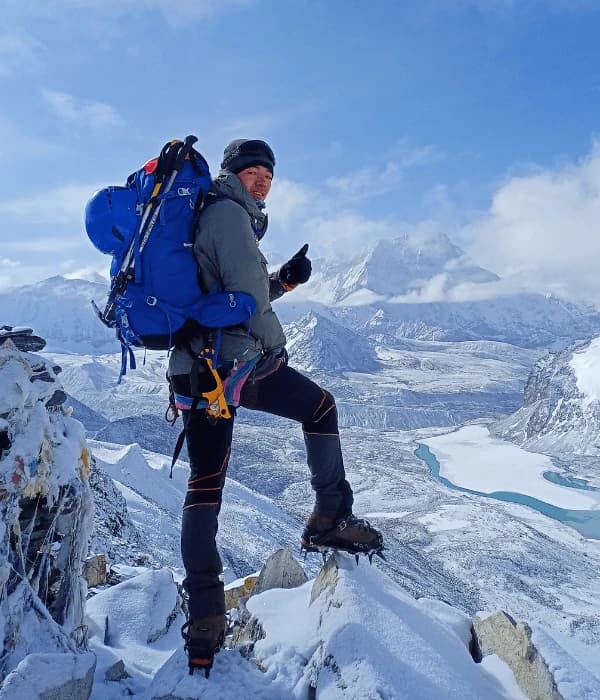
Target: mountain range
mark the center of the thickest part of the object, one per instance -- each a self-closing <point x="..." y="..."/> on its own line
<point x="405" y="288"/>
<point x="401" y="372"/>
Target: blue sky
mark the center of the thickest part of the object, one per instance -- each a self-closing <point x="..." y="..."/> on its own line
<point x="477" y="118"/>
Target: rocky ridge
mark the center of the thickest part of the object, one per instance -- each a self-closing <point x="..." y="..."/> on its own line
<point x="46" y="518"/>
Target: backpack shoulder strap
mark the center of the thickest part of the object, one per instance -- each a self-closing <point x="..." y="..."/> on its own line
<point x="211" y="198"/>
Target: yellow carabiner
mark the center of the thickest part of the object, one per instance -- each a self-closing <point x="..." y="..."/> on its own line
<point x="217" y="405"/>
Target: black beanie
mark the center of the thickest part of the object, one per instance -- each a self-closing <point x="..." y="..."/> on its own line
<point x="244" y="153"/>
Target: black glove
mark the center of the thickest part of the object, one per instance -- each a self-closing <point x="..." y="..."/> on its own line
<point x="296" y="270"/>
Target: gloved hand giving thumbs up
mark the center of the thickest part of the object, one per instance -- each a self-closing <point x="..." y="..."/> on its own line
<point x="296" y="270"/>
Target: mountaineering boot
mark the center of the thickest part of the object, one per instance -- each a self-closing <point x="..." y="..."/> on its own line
<point x="348" y="534"/>
<point x="203" y="637"/>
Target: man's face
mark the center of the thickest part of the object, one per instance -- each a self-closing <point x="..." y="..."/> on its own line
<point x="257" y="180"/>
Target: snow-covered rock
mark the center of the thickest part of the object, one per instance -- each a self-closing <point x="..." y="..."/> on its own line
<point x="342" y="646"/>
<point x="281" y="570"/>
<point x="136" y="622"/>
<point x="51" y="677"/>
<point x="501" y="635"/>
<point x="46" y="512"/>
<point x="561" y="404"/>
<point x="360" y="637"/>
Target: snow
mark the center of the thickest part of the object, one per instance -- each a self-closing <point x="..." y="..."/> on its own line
<point x="586" y="365"/>
<point x="496" y="667"/>
<point x="232" y="678"/>
<point x="394" y="642"/>
<point x="136" y="621"/>
<point x="575" y="668"/>
<point x="472" y="459"/>
<point x="38" y="674"/>
<point x="353" y="649"/>
<point x="440" y="522"/>
<point x="44" y="447"/>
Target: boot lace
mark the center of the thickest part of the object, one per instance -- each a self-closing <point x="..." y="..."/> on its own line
<point x="353" y="521"/>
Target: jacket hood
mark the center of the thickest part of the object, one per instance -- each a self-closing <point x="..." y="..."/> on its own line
<point x="227" y="184"/>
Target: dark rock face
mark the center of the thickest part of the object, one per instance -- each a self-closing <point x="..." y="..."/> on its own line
<point x="114" y="533"/>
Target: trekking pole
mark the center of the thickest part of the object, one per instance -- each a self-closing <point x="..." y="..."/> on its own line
<point x="147" y="223"/>
<point x="182" y="154"/>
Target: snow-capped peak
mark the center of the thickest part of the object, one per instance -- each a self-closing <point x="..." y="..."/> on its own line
<point x="399" y="266"/>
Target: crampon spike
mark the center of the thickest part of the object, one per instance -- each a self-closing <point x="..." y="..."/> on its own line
<point x="357" y="559"/>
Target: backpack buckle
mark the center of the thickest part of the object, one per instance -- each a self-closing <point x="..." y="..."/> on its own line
<point x="151" y="301"/>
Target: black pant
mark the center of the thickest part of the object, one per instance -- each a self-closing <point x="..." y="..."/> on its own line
<point x="282" y="392"/>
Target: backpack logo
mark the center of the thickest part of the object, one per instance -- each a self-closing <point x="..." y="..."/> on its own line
<point x="147" y="226"/>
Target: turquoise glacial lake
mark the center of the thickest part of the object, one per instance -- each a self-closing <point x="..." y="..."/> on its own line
<point x="587" y="522"/>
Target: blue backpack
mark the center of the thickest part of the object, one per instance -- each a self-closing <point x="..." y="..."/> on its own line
<point x="155" y="300"/>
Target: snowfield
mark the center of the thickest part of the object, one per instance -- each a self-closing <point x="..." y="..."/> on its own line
<point x="474" y="460"/>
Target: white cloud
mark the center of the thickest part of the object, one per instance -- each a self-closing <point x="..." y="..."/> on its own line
<point x="387" y="176"/>
<point x="91" y="273"/>
<point x="7" y="262"/>
<point x="433" y="290"/>
<point x="437" y="289"/>
<point x="72" y="257"/>
<point x="289" y="202"/>
<point x="367" y="182"/>
<point x="306" y="214"/>
<point x="346" y="231"/>
<point x="17" y="275"/>
<point x="545" y="227"/>
<point x="62" y="205"/>
<point x="84" y="113"/>
<point x="42" y="245"/>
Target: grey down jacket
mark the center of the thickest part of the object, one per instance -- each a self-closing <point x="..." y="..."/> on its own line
<point x="228" y="258"/>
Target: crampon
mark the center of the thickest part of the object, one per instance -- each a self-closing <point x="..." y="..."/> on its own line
<point x="351" y="534"/>
<point x="326" y="550"/>
<point x="203" y="639"/>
